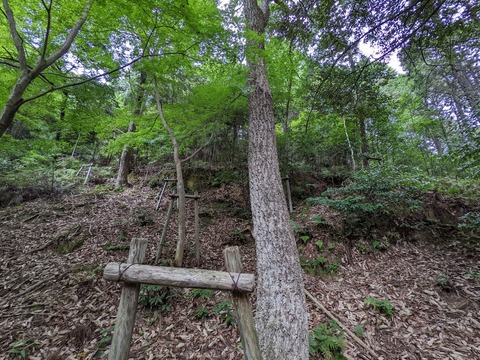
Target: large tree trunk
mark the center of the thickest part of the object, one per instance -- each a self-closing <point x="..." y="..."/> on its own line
<point x="13" y="103"/>
<point x="281" y="316"/>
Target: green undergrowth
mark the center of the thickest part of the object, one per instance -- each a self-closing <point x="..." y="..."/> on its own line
<point x="384" y="306"/>
<point x="328" y="340"/>
<point x="316" y="256"/>
<point x="385" y="203"/>
<point x="158" y="300"/>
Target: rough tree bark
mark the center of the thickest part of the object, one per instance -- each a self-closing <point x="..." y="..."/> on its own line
<point x="29" y="74"/>
<point x="281" y="316"/>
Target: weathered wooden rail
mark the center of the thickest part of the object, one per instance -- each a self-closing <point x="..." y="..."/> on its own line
<point x="133" y="273"/>
<point x="179" y="277"/>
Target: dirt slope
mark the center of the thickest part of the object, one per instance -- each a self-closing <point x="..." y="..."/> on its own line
<point x="55" y="304"/>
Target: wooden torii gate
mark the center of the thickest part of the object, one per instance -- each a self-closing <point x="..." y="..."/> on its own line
<point x="133" y="273"/>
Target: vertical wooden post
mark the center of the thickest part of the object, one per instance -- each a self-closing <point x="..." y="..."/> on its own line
<point x="164" y="231"/>
<point x="243" y="308"/>
<point x="289" y="194"/>
<point x="127" y="309"/>
<point x="88" y="174"/>
<point x="161" y="195"/>
<point x="78" y="172"/>
<point x="197" y="231"/>
<point x="75" y="147"/>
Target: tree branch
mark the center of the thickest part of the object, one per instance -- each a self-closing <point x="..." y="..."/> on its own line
<point x="22" y="59"/>
<point x="14" y="64"/>
<point x="360" y="38"/>
<point x="56" y="88"/>
<point x="197" y="151"/>
<point x="48" y="8"/>
<point x="44" y="63"/>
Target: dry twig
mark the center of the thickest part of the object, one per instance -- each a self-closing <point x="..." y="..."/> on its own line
<point x="351" y="334"/>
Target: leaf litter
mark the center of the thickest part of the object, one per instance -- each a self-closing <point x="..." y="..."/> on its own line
<point x="55" y="304"/>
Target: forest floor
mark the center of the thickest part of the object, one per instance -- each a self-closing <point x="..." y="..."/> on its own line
<point x="54" y="303"/>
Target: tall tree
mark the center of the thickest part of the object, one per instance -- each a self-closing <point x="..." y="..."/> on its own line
<point x="127" y="152"/>
<point x="281" y="317"/>
<point x="182" y="218"/>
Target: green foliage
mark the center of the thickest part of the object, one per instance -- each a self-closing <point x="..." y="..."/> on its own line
<point x="470" y="223"/>
<point x="319" y="220"/>
<point x="200" y="294"/>
<point x="328" y="340"/>
<point x="301" y="230"/>
<point x="472" y="274"/>
<point x="359" y="330"/>
<point x="227" y="177"/>
<point x="296" y="227"/>
<point x="384" y="306"/>
<point x="28" y="162"/>
<point x="304" y="238"/>
<point x="376" y="190"/>
<point x="201" y="312"/>
<point x="444" y="282"/>
<point x="105" y="340"/>
<point x="320" y="265"/>
<point x="69" y="246"/>
<point x="21" y="348"/>
<point x="156" y="297"/>
<point x="225" y="312"/>
<point x="374" y="197"/>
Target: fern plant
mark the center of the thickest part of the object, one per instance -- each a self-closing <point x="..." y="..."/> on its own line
<point x="329" y="341"/>
<point x="155" y="297"/>
<point x="383" y="306"/>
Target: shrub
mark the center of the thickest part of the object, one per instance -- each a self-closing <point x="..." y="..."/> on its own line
<point x="375" y="196"/>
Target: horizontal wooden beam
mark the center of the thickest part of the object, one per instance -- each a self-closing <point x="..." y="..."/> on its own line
<point x="179" y="277"/>
<point x="186" y="196"/>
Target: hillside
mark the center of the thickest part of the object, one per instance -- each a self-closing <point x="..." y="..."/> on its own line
<point x="55" y="305"/>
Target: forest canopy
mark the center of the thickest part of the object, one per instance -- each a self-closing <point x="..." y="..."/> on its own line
<point x="70" y="83"/>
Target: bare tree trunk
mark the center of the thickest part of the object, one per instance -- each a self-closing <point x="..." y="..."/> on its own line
<point x="180" y="184"/>
<point x="350" y="147"/>
<point x="125" y="161"/>
<point x="127" y="152"/>
<point x="363" y="142"/>
<point x="361" y="123"/>
<point x="281" y="316"/>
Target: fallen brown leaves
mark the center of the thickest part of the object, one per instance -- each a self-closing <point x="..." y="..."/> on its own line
<point x="63" y="309"/>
